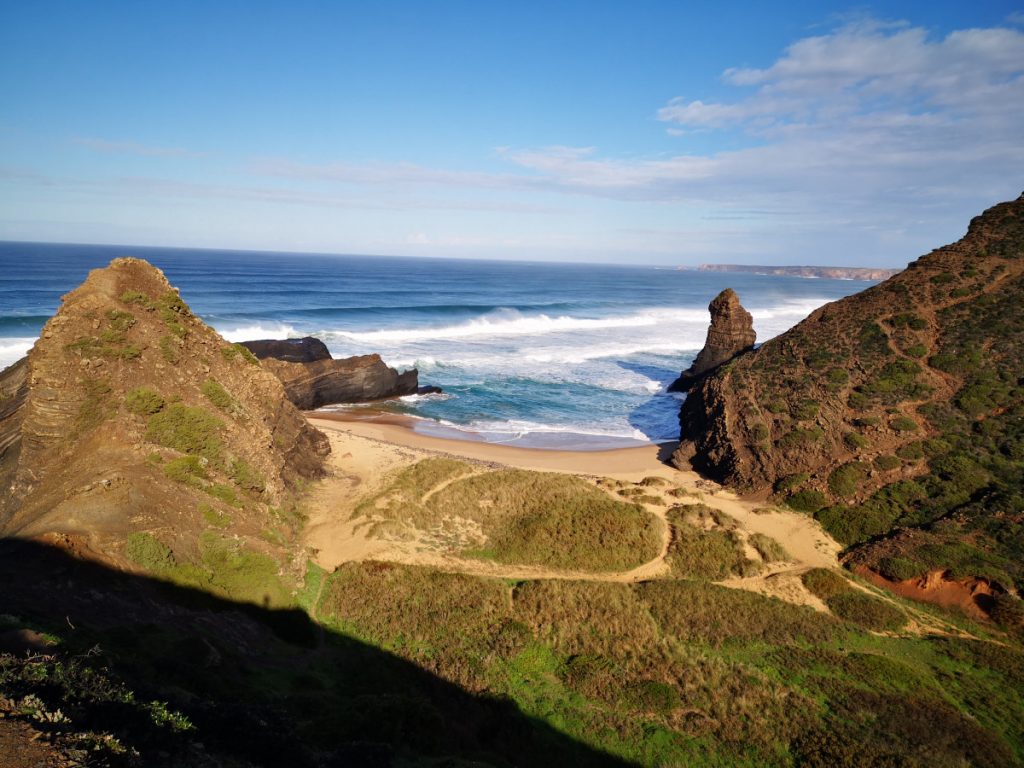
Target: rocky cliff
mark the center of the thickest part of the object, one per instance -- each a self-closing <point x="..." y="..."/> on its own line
<point x="313" y="379"/>
<point x="899" y="406"/>
<point x="129" y="413"/>
<point x="731" y="332"/>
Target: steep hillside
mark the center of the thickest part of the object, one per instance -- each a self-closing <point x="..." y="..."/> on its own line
<point x="130" y="417"/>
<point x="900" y="407"/>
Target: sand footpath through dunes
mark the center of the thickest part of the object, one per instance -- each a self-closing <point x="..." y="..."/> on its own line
<point x="364" y="452"/>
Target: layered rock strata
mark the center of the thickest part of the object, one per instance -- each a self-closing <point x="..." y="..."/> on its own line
<point x="312" y="379"/>
<point x="129" y="411"/>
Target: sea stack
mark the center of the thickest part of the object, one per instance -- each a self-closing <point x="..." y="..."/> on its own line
<point x="731" y="332"/>
<point x="313" y="379"/>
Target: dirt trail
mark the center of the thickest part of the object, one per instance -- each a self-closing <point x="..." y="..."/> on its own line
<point x="363" y="456"/>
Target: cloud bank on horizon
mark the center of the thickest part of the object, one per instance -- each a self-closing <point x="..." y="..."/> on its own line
<point x="865" y="144"/>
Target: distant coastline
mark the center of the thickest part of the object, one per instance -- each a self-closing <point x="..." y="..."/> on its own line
<point x="834" y="273"/>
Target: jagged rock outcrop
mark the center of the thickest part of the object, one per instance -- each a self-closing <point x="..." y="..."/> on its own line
<point x="897" y="407"/>
<point x="351" y="380"/>
<point x="313" y="379"/>
<point x="304" y="350"/>
<point x="731" y="332"/>
<point x="130" y="412"/>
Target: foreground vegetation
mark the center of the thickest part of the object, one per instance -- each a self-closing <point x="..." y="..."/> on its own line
<point x="514" y="516"/>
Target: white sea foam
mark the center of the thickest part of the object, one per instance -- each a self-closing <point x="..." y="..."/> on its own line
<point x="256" y="331"/>
<point x="517" y="428"/>
<point x="12" y="349"/>
<point x="513" y="323"/>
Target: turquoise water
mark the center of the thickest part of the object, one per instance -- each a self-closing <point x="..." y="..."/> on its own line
<point x="527" y="353"/>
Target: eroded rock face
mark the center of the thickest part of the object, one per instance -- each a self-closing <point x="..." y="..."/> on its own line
<point x="351" y="380"/>
<point x="731" y="332"/>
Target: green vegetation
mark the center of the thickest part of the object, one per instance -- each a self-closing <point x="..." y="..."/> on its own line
<point x="845" y="481"/>
<point x="187" y="429"/>
<point x="851" y="604"/>
<point x="224" y="567"/>
<point x="216" y="394"/>
<point x="809" y="500"/>
<point x="170" y="348"/>
<point x="85" y="710"/>
<point x="187" y="469"/>
<point x="800" y="437"/>
<point x="174" y="312"/>
<point x="900" y="568"/>
<point x="706" y="545"/>
<point x="768" y="548"/>
<point x="886" y="463"/>
<point x="144" y="401"/>
<point x="903" y="424"/>
<point x="855" y="441"/>
<point x="245" y="477"/>
<point x="214" y="517"/>
<point x="239" y="352"/>
<point x="522" y="517"/>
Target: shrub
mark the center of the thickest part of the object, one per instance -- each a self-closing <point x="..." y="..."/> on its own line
<point x="799" y="437"/>
<point x="900" y="568"/>
<point x="146" y="551"/>
<point x="223" y="493"/>
<point x="761" y="433"/>
<point x="239" y="351"/>
<point x="805" y="411"/>
<point x="138" y="298"/>
<point x="170" y="348"/>
<point x="216" y="394"/>
<point x="845" y="480"/>
<point x="768" y="548"/>
<point x="246" y="477"/>
<point x="917" y="350"/>
<point x="790" y="482"/>
<point x="186" y="469"/>
<point x="886" y="463"/>
<point x="824" y="583"/>
<point x="903" y="424"/>
<point x="143" y="401"/>
<point x="807" y="501"/>
<point x="911" y="451"/>
<point x="214" y="517"/>
<point x="838" y="376"/>
<point x="855" y="441"/>
<point x="187" y="429"/>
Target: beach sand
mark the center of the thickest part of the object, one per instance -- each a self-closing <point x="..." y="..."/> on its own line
<point x="367" y="446"/>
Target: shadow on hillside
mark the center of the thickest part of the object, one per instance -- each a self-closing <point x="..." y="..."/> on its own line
<point x="264" y="687"/>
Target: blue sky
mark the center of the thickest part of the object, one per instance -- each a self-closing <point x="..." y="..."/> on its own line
<point x="632" y="132"/>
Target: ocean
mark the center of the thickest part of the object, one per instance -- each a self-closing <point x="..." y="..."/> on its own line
<point x="528" y="353"/>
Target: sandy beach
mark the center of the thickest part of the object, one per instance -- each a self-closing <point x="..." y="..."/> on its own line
<point x="368" y="446"/>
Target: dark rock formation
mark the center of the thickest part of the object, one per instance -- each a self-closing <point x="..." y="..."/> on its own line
<point x="351" y="380"/>
<point x="731" y="332"/>
<point x="305" y="350"/>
